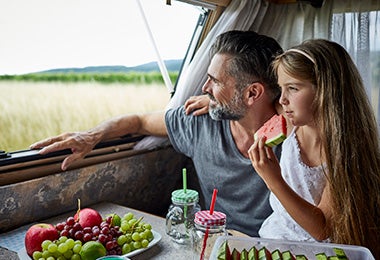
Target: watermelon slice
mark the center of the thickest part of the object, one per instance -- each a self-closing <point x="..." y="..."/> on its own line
<point x="235" y="255"/>
<point x="287" y="255"/>
<point x="274" y="130"/>
<point x="264" y="254"/>
<point x="340" y="253"/>
<point x="253" y="253"/>
<point x="276" y="255"/>
<point x="244" y="254"/>
<point x="224" y="252"/>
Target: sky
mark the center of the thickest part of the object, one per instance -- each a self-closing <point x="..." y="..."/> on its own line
<point x="37" y="35"/>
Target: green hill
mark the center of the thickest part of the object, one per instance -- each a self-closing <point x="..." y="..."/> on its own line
<point x="171" y="65"/>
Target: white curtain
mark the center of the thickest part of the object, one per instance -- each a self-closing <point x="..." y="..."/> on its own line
<point x="291" y="24"/>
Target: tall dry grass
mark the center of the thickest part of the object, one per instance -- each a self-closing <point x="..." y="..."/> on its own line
<point x="34" y="111"/>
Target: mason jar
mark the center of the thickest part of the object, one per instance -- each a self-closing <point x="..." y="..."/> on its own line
<point x="207" y="228"/>
<point x="180" y="216"/>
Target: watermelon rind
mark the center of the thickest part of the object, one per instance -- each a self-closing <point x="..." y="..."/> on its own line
<point x="275" y="140"/>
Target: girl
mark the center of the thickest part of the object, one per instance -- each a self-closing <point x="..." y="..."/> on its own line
<point x="328" y="186"/>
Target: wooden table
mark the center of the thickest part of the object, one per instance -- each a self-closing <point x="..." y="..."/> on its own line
<point x="164" y="249"/>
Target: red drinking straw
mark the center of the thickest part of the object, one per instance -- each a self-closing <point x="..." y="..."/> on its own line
<point x="213" y="199"/>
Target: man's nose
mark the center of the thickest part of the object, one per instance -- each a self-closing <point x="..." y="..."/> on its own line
<point x="206" y="87"/>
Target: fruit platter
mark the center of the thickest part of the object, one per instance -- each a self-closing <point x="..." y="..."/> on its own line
<point x="89" y="236"/>
<point x="242" y="248"/>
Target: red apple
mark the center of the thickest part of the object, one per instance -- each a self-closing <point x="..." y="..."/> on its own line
<point x="88" y="217"/>
<point x="36" y="234"/>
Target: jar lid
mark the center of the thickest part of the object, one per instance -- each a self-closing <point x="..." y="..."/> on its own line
<point x="206" y="219"/>
<point x="182" y="197"/>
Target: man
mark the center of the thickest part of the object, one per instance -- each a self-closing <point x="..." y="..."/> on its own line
<point x="243" y="93"/>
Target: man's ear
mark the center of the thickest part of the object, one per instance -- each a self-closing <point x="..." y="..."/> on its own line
<point x="254" y="92"/>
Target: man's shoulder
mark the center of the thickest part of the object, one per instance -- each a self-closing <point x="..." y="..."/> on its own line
<point x="180" y="114"/>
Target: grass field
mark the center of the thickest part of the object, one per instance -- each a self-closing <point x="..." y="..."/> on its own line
<point x="34" y="111"/>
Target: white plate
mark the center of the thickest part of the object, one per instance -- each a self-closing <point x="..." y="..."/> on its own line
<point x="156" y="238"/>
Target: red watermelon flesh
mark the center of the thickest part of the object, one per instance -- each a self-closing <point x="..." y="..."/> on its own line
<point x="274" y="130"/>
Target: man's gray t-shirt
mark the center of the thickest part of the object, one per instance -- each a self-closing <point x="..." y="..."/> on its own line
<point x="242" y="194"/>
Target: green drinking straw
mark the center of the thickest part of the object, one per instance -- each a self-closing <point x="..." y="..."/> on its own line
<point x="184" y="190"/>
<point x="184" y="179"/>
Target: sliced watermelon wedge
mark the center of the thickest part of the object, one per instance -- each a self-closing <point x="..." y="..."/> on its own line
<point x="274" y="130"/>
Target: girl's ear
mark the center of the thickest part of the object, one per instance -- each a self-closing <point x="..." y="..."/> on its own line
<point x="254" y="92"/>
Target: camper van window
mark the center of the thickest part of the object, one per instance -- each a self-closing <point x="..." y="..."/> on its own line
<point x="68" y="65"/>
<point x="359" y="33"/>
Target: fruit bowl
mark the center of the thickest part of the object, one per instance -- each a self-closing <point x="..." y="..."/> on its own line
<point x="87" y="235"/>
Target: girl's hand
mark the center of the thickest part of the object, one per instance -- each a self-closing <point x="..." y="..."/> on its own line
<point x="198" y="105"/>
<point x="265" y="162"/>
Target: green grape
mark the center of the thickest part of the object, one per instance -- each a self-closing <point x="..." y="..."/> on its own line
<point x="68" y="254"/>
<point x="131" y="246"/>
<point x="128" y="216"/>
<point x="136" y="236"/>
<point x="62" y="239"/>
<point x="132" y="221"/>
<point x="78" y="242"/>
<point x="50" y="258"/>
<point x="126" y="248"/>
<point x="46" y="254"/>
<point x="77" y="248"/>
<point x="143" y="235"/>
<point x="147" y="226"/>
<point x="70" y="243"/>
<point x="75" y="257"/>
<point x="62" y="248"/>
<point x="137" y="244"/>
<point x="45" y="244"/>
<point x="121" y="240"/>
<point x="57" y="254"/>
<point x="125" y="225"/>
<point x="52" y="248"/>
<point x="37" y="255"/>
<point x="129" y="238"/>
<point x="144" y="243"/>
<point x="149" y="234"/>
<point x="61" y="257"/>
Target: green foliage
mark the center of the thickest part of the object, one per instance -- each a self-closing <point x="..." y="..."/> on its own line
<point x="141" y="78"/>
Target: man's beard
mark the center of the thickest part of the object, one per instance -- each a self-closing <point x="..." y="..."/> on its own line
<point x="234" y="110"/>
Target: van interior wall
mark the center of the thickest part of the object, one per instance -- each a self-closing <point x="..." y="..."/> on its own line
<point x="144" y="181"/>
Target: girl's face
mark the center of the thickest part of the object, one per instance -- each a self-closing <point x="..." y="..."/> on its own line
<point x="296" y="98"/>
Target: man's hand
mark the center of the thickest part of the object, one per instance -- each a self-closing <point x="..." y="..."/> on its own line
<point x="198" y="105"/>
<point x="80" y="144"/>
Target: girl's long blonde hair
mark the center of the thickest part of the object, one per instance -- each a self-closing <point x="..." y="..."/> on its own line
<point x="350" y="138"/>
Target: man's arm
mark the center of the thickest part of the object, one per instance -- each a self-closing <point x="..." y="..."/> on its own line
<point x="81" y="143"/>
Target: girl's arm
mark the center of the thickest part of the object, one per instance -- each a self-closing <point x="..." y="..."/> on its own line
<point x="314" y="219"/>
<point x="198" y="105"/>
